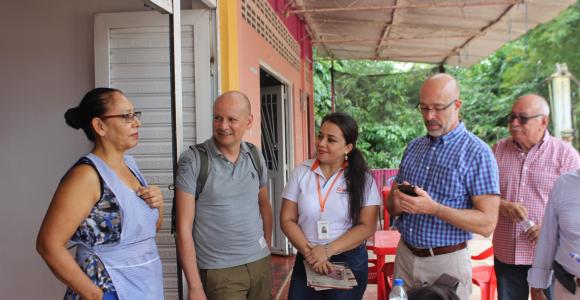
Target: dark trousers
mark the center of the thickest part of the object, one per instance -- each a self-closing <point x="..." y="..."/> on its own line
<point x="357" y="260"/>
<point x="512" y="282"/>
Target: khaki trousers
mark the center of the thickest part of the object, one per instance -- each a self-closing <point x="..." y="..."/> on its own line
<point x="249" y="281"/>
<point x="423" y="271"/>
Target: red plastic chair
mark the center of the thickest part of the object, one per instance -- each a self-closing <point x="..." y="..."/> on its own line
<point x="383" y="286"/>
<point x="385" y="224"/>
<point x="372" y="274"/>
<point x="484" y="276"/>
<point x="386" y="217"/>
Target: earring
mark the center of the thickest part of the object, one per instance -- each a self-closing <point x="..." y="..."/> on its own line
<point x="345" y="156"/>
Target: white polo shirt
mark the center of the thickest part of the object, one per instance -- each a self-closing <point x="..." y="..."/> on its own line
<point x="302" y="189"/>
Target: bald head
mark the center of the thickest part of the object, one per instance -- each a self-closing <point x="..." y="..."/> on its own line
<point x="442" y="86"/>
<point x="235" y="98"/>
<point x="536" y="104"/>
<point x="439" y="104"/>
<point x="231" y="118"/>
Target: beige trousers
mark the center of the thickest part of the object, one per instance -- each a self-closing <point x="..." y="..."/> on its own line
<point x="246" y="282"/>
<point x="423" y="271"/>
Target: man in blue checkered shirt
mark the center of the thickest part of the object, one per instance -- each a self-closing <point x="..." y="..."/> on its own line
<point x="456" y="181"/>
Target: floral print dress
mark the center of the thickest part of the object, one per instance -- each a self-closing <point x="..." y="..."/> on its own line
<point x="102" y="226"/>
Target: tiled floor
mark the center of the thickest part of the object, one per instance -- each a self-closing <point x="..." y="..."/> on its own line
<point x="281" y="271"/>
<point x="282" y="267"/>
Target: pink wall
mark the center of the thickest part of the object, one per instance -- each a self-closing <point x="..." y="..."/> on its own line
<point x="253" y="50"/>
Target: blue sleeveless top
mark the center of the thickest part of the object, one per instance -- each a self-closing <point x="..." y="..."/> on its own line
<point x="102" y="226"/>
<point x="132" y="261"/>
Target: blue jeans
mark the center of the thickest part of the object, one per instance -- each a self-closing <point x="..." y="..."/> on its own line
<point x="512" y="282"/>
<point x="357" y="260"/>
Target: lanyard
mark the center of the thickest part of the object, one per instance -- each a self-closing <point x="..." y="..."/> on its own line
<point x="322" y="201"/>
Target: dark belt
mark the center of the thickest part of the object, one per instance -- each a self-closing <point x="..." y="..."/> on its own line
<point x="435" y="251"/>
<point x="567" y="280"/>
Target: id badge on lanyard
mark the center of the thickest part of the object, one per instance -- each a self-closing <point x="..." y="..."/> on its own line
<point x="323" y="229"/>
<point x="322" y="226"/>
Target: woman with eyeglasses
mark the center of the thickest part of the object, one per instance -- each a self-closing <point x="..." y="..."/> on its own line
<point x="104" y="207"/>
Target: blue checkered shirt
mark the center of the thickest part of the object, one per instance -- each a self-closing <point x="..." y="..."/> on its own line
<point x="452" y="169"/>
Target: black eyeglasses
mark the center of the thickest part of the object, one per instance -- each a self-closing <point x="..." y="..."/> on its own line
<point x="129" y="117"/>
<point x="521" y="119"/>
<point x="437" y="109"/>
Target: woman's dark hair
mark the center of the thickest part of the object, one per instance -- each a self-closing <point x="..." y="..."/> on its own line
<point x="357" y="170"/>
<point x="94" y="104"/>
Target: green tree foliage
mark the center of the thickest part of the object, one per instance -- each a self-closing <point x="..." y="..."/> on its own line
<point x="382" y="96"/>
<point x="520" y="67"/>
<point x="382" y="99"/>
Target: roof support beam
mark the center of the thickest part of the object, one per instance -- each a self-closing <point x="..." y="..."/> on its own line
<point x="350" y="22"/>
<point x="391" y="57"/>
<point x="386" y="31"/>
<point x="404" y="6"/>
<point x="347" y="21"/>
<point x="457" y="50"/>
<point x="363" y="41"/>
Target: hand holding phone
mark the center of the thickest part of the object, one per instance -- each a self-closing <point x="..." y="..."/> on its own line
<point x="408" y="189"/>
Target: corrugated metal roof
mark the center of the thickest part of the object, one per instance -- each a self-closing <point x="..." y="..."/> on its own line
<point x="455" y="32"/>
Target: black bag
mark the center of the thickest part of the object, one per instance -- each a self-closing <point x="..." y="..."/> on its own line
<point x="566" y="279"/>
<point x="443" y="288"/>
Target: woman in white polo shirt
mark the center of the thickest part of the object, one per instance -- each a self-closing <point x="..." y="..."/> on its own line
<point x="330" y="208"/>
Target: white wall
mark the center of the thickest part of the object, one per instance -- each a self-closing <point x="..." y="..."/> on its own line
<point x="46" y="65"/>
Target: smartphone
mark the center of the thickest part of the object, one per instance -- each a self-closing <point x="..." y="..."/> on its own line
<point x="408" y="189"/>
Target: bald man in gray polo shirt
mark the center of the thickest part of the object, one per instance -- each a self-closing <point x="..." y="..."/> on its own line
<point x="223" y="237"/>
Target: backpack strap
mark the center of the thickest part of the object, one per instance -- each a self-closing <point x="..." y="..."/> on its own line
<point x="255" y="158"/>
<point x="201" y="152"/>
<point x="203" y="173"/>
<point x="204" y="164"/>
<point x="203" y="168"/>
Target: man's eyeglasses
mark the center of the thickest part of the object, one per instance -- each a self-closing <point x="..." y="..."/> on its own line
<point x="436" y="109"/>
<point x="129" y="117"/>
<point x="521" y="119"/>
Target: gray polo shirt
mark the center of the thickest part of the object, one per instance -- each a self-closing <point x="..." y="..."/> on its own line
<point x="227" y="229"/>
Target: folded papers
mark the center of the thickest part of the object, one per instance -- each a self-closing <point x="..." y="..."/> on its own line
<point x="340" y="278"/>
